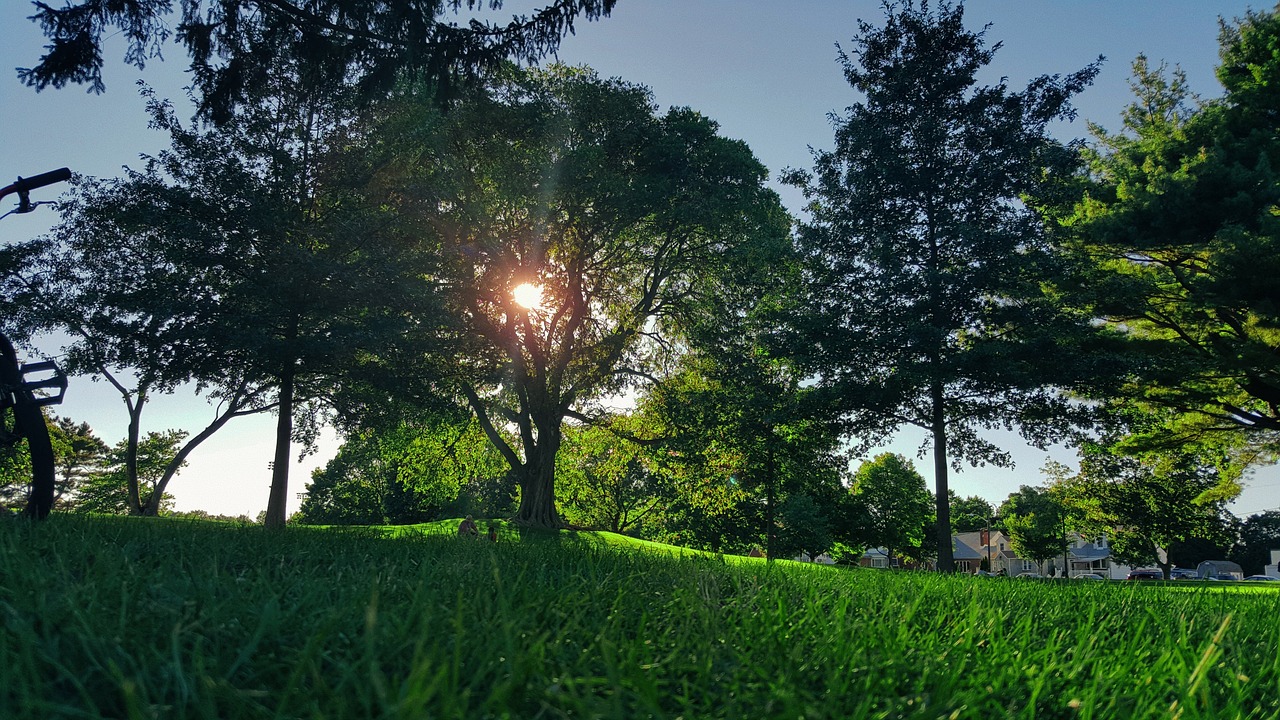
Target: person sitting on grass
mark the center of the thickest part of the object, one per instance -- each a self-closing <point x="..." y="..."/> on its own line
<point x="467" y="528"/>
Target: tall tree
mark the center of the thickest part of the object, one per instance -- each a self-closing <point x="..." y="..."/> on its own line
<point x="896" y="502"/>
<point x="736" y="406"/>
<point x="1177" y="241"/>
<point x="236" y="260"/>
<point x="237" y="46"/>
<point x="924" y="258"/>
<point x="579" y="228"/>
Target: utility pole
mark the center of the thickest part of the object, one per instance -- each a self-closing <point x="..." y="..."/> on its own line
<point x="1066" y="564"/>
<point x="990" y="566"/>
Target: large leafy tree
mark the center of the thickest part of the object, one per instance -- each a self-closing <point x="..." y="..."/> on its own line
<point x="1036" y="521"/>
<point x="405" y="471"/>
<point x="562" y="185"/>
<point x="236" y="46"/>
<point x="925" y="260"/>
<point x="235" y="260"/>
<point x="736" y="407"/>
<point x="1177" y="239"/>
<point x="1147" y="499"/>
<point x="738" y="430"/>
<point x="605" y="480"/>
<point x="895" y="501"/>
<point x="969" y="514"/>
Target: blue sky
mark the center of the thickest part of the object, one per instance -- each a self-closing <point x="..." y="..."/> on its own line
<point x="766" y="70"/>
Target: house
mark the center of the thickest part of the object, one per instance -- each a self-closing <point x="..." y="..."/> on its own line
<point x="1274" y="568"/>
<point x="1084" y="555"/>
<point x="992" y="550"/>
<point x="877" y="558"/>
<point x="967" y="557"/>
<point x="1093" y="555"/>
<point x="994" y="547"/>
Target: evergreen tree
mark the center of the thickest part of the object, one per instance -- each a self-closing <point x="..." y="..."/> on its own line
<point x="924" y="259"/>
<point x="238" y="46"/>
<point x="1176" y="242"/>
<point x="77" y="454"/>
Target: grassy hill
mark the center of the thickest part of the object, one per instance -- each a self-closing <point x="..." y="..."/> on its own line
<point x="143" y="618"/>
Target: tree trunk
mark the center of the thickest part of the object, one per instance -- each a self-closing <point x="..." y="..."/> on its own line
<point x="538" y="484"/>
<point x="769" y="502"/>
<point x="131" y="453"/>
<point x="946" y="562"/>
<point x="280" y="466"/>
<point x="538" y="492"/>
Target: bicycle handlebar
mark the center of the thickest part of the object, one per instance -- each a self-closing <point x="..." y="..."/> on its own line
<point x="23" y="185"/>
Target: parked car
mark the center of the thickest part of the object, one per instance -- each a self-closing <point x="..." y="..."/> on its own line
<point x="1030" y="576"/>
<point x="1088" y="576"/>
<point x="1182" y="574"/>
<point x="1145" y="575"/>
<point x="1262" y="578"/>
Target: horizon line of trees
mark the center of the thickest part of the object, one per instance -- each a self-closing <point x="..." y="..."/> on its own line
<point x="348" y="254"/>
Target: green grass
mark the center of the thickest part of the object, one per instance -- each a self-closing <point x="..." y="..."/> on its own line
<point x="118" y="617"/>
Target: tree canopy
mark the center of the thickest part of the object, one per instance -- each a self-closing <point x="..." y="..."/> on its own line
<point x="1175" y="239"/>
<point x="895" y="501"/>
<point x="1147" y="499"/>
<point x="236" y="46"/>
<point x="238" y="259"/>
<point x="970" y="513"/>
<point x="575" y="189"/>
<point x="1036" y="522"/>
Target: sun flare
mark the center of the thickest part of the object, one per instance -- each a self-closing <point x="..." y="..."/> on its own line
<point x="528" y="296"/>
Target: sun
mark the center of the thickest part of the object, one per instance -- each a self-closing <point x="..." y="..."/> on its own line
<point x="528" y="296"/>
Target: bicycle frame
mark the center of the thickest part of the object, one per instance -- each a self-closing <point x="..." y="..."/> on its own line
<point x="18" y="392"/>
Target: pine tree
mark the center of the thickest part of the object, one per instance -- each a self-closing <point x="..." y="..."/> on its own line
<point x="924" y="259"/>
